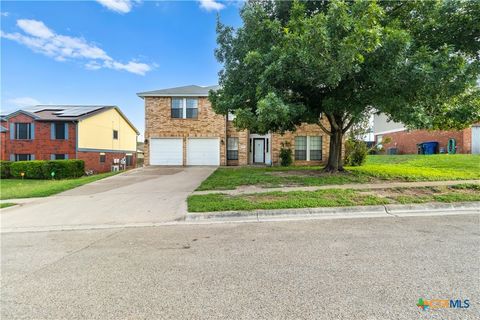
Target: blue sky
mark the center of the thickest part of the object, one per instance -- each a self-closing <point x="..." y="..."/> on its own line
<point x="105" y="51"/>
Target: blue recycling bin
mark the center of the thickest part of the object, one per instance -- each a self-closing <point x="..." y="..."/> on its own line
<point x="430" y="147"/>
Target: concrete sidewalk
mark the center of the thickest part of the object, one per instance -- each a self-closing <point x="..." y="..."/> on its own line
<point x="356" y="186"/>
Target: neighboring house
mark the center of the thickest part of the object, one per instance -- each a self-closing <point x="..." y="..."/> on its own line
<point x="100" y="135"/>
<point x="405" y="141"/>
<point x="181" y="128"/>
<point x="3" y="137"/>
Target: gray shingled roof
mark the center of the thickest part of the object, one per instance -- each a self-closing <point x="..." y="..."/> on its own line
<point x="185" y="91"/>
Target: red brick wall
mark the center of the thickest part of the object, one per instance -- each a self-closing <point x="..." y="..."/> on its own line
<point x="42" y="146"/>
<point x="3" y="150"/>
<point x="406" y="141"/>
<point x="92" y="160"/>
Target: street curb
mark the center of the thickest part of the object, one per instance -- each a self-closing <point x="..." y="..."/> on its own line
<point x="394" y="210"/>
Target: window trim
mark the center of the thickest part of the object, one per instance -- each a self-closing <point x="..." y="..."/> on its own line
<point x="184" y="108"/>
<point x="29" y="130"/>
<point x="232" y="153"/>
<point x="65" y="129"/>
<point x="29" y="156"/>
<point x="308" y="148"/>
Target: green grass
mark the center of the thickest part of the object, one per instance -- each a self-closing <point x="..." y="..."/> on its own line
<point x="270" y="177"/>
<point x="422" y="167"/>
<point x="17" y="188"/>
<point x="282" y="200"/>
<point x="6" y="205"/>
<point x="390" y="168"/>
<point x="331" y="198"/>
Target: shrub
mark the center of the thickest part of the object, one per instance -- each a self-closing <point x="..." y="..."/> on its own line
<point x="5" y="169"/>
<point x="285" y="155"/>
<point x="64" y="168"/>
<point x="356" y="152"/>
<point x="32" y="169"/>
<point x="41" y="169"/>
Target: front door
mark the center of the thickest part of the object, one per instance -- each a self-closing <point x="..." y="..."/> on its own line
<point x="259" y="150"/>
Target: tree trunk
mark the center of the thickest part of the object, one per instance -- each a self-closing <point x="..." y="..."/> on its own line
<point x="335" y="161"/>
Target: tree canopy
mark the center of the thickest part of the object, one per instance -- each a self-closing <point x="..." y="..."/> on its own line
<point x="292" y="62"/>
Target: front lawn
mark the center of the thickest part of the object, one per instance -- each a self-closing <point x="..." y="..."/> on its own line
<point x="332" y="198"/>
<point x="18" y="188"/>
<point x="6" y="205"/>
<point x="422" y="167"/>
<point x="376" y="168"/>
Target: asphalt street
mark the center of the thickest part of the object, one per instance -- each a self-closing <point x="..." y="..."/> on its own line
<point x="372" y="268"/>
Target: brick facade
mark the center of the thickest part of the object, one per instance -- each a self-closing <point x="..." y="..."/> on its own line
<point x="159" y="123"/>
<point x="406" y="141"/>
<point x="303" y="130"/>
<point x="243" y="145"/>
<point x="43" y="146"/>
<point x="92" y="160"/>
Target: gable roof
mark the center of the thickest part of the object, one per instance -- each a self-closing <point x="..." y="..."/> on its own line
<point x="67" y="112"/>
<point x="185" y="91"/>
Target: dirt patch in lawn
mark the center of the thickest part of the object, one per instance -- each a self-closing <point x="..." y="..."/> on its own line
<point x="420" y="194"/>
<point x="308" y="173"/>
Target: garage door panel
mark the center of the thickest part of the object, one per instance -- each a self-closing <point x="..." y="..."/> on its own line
<point x="166" y="151"/>
<point x="203" y="151"/>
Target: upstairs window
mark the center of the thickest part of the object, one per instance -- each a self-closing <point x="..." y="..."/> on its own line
<point x="115" y="134"/>
<point x="59" y="131"/>
<point x="184" y="108"/>
<point x="232" y="149"/>
<point x="23" y="131"/>
<point x="177" y="108"/>
<point x="300" y="148"/>
<point x="192" y="108"/>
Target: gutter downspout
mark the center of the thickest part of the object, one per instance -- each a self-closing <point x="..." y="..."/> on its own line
<point x="76" y="138"/>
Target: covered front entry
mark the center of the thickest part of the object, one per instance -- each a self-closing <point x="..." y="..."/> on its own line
<point x="260" y="149"/>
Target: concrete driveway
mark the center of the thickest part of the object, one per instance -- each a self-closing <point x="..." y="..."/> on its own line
<point x="145" y="195"/>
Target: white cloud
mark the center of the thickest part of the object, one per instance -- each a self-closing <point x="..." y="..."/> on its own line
<point x="4" y="14"/>
<point x="35" y="28"/>
<point x="119" y="6"/>
<point x="211" y="5"/>
<point x="38" y="37"/>
<point x="24" y="102"/>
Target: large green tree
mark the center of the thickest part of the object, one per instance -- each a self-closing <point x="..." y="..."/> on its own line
<point x="293" y="62"/>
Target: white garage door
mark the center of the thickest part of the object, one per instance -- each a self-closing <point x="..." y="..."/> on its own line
<point x="476" y="140"/>
<point x="203" y="152"/>
<point x="166" y="151"/>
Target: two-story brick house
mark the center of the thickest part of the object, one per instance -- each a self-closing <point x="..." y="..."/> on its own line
<point x="100" y="135"/>
<point x="181" y="128"/>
